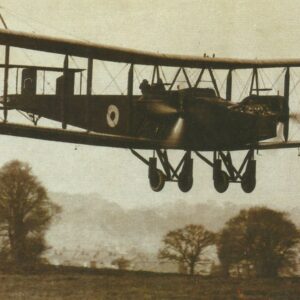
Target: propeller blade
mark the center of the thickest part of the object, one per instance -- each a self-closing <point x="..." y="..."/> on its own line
<point x="283" y="127"/>
<point x="177" y="132"/>
<point x="295" y="117"/>
<point x="161" y="109"/>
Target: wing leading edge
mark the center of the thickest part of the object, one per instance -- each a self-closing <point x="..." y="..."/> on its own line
<point x="78" y="137"/>
<point x="118" y="141"/>
<point x="124" y="55"/>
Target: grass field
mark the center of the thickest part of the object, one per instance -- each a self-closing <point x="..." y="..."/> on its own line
<point x="110" y="284"/>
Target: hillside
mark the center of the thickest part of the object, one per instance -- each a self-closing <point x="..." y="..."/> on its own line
<point x="91" y="228"/>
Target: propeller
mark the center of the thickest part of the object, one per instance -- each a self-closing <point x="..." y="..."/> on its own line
<point x="160" y="108"/>
<point x="177" y="131"/>
<point x="295" y="117"/>
<point x="174" y="116"/>
<point x="283" y="128"/>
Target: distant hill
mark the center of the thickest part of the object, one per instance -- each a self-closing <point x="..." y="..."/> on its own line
<point x="89" y="223"/>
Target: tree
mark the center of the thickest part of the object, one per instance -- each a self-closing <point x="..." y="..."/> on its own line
<point x="186" y="245"/>
<point x="25" y="214"/>
<point x="263" y="237"/>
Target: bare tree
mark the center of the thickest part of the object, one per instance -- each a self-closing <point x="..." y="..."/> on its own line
<point x="186" y="245"/>
<point x="25" y="213"/>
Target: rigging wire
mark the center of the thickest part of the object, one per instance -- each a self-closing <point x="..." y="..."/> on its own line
<point x="25" y="20"/>
<point x="295" y="89"/>
<point x="295" y="131"/>
<point x="140" y="73"/>
<point x="163" y="73"/>
<point x="115" y="78"/>
<point x="83" y="74"/>
<point x="265" y="74"/>
<point x="296" y="84"/>
<point x="23" y="51"/>
<point x="238" y="83"/>
<point x="261" y="76"/>
<point x="111" y="76"/>
<point x="221" y="84"/>
<point x="245" y="86"/>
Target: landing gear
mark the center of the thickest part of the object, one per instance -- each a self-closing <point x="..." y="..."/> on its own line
<point x="156" y="177"/>
<point x="157" y="180"/>
<point x="224" y="171"/>
<point x="182" y="174"/>
<point x="185" y="178"/>
<point x="248" y="182"/>
<point x="222" y="178"/>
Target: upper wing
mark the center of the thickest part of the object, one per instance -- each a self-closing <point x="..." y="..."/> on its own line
<point x="108" y="53"/>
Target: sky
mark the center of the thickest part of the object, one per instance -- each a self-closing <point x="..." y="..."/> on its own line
<point x="245" y="29"/>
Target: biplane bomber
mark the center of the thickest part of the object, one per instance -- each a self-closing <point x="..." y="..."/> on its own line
<point x="159" y="116"/>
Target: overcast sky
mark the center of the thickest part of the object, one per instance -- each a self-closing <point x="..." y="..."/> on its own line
<point x="249" y="29"/>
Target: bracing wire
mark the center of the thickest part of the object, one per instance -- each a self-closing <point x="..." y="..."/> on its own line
<point x="163" y="73"/>
<point x="115" y="78"/>
<point x="25" y="20"/>
<point x="245" y="85"/>
<point x="111" y="76"/>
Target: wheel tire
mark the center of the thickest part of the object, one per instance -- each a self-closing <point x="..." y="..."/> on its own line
<point x="157" y="180"/>
<point x="221" y="182"/>
<point x="185" y="182"/>
<point x="248" y="183"/>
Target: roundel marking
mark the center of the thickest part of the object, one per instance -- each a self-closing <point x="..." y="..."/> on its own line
<point x="112" y="115"/>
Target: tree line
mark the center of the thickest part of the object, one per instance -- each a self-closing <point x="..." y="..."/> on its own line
<point x="265" y="240"/>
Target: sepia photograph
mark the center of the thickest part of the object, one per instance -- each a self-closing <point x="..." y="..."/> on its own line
<point x="149" y="149"/>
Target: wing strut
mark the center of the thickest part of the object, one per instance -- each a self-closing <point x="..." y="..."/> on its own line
<point x="6" y="73"/>
<point x="3" y="22"/>
<point x="89" y="92"/>
<point x="64" y="99"/>
<point x="199" y="78"/>
<point x="286" y="108"/>
<point x="213" y="79"/>
<point x="130" y="95"/>
<point x="229" y="86"/>
<point x="255" y="80"/>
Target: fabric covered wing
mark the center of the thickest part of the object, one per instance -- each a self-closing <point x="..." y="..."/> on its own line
<point x="79" y="137"/>
<point x="108" y="53"/>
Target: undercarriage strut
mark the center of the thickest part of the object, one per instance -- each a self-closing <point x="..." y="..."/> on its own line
<point x="224" y="171"/>
<point x="182" y="173"/>
<point x="245" y="174"/>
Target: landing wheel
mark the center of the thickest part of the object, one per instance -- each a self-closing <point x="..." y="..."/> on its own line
<point x="157" y="180"/>
<point x="185" y="182"/>
<point x="221" y="182"/>
<point x="185" y="178"/>
<point x="248" y="183"/>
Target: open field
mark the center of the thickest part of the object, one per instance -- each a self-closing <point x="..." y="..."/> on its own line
<point x="81" y="284"/>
